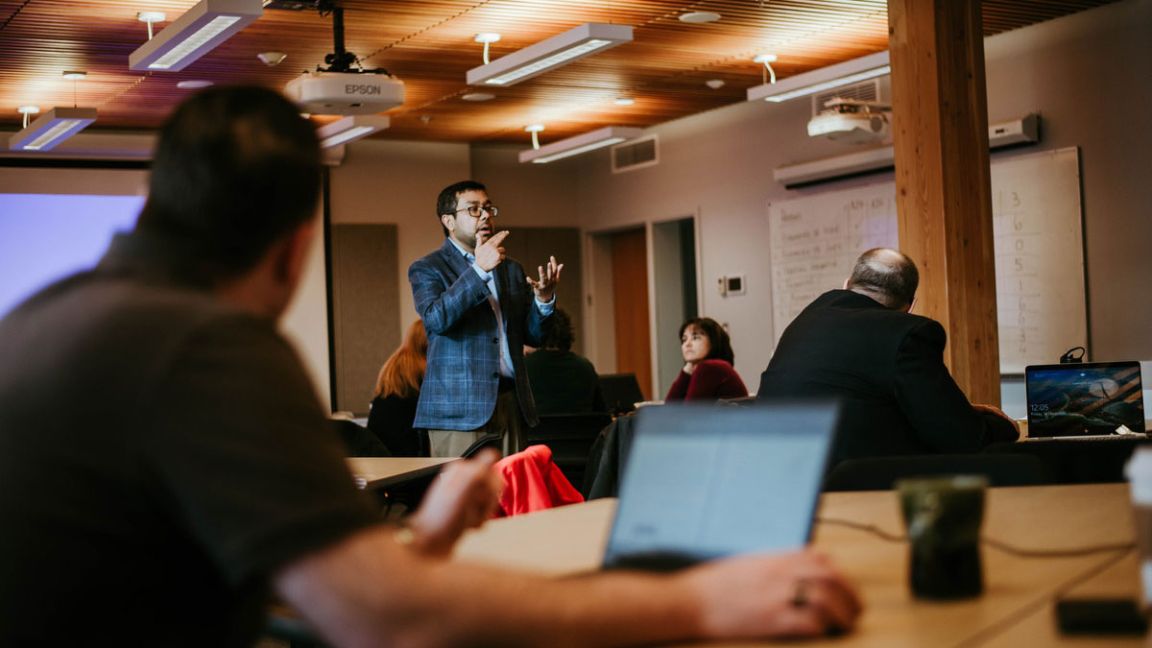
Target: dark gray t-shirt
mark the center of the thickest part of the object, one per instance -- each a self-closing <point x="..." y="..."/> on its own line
<point x="161" y="455"/>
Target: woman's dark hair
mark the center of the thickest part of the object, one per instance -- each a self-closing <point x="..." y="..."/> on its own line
<point x="557" y="332"/>
<point x="720" y="345"/>
<point x="235" y="169"/>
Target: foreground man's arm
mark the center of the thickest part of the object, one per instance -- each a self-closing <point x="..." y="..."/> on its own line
<point x="371" y="590"/>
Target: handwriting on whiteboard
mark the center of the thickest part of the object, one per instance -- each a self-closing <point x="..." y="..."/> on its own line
<point x="814" y="240"/>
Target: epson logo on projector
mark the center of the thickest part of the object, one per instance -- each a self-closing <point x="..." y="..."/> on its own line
<point x="345" y="93"/>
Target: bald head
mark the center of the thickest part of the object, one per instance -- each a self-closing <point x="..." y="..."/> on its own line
<point x="887" y="276"/>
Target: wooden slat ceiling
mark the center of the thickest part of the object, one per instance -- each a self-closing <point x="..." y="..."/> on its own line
<point x="428" y="44"/>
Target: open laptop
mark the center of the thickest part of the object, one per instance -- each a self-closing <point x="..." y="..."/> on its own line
<point x="1084" y="400"/>
<point x="705" y="481"/>
<point x="621" y="392"/>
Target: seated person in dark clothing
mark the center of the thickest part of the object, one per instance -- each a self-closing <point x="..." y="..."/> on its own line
<point x="562" y="382"/>
<point x="861" y="346"/>
<point x="396" y="395"/>
<point x="708" y="373"/>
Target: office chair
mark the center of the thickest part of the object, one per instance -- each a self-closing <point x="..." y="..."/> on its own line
<point x="880" y="473"/>
<point x="570" y="437"/>
<point x="358" y="440"/>
<point x="486" y="441"/>
<point x="620" y="392"/>
<point x="1074" y="461"/>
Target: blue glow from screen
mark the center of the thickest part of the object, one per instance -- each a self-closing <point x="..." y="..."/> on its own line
<point x="46" y="237"/>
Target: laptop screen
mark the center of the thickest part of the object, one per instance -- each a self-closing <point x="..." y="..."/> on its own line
<point x="620" y="391"/>
<point x="1080" y="399"/>
<point x="705" y="481"/>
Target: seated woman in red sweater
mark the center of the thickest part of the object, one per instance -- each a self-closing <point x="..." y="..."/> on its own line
<point x="708" y="358"/>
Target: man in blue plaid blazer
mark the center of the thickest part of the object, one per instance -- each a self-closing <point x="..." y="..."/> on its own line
<point x="479" y="309"/>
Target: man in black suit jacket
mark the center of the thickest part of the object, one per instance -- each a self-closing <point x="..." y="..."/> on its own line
<point x="861" y="346"/>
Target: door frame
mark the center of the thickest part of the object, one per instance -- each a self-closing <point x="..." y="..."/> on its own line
<point x="597" y="328"/>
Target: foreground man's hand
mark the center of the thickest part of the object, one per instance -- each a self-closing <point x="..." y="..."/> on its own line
<point x="786" y="595"/>
<point x="463" y="496"/>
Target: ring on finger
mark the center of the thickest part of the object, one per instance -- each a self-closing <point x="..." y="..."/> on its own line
<point x="800" y="594"/>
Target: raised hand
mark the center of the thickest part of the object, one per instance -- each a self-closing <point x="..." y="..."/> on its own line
<point x="463" y="496"/>
<point x="545" y="285"/>
<point x="991" y="409"/>
<point x="490" y="252"/>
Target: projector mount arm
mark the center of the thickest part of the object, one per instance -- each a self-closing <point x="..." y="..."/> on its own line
<point x="340" y="59"/>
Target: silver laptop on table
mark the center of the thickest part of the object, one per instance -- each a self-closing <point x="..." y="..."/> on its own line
<point x="706" y="481"/>
<point x="1090" y="400"/>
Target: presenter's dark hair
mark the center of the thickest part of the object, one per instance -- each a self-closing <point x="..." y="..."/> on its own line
<point x="719" y="344"/>
<point x="886" y="275"/>
<point x="446" y="201"/>
<point x="557" y="331"/>
<point x="235" y="169"/>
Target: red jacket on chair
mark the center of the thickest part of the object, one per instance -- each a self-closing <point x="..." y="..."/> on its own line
<point x="533" y="482"/>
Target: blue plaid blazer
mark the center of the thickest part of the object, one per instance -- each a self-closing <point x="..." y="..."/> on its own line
<point x="462" y="380"/>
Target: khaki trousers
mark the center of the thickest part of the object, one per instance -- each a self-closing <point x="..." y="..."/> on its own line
<point x="506" y="421"/>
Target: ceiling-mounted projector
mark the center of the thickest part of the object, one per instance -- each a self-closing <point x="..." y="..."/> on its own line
<point x="851" y="121"/>
<point x="341" y="89"/>
<point x="345" y="93"/>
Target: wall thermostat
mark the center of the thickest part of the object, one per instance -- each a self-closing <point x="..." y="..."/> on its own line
<point x="733" y="285"/>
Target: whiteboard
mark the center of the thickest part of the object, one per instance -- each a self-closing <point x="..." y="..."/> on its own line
<point x="1037" y="228"/>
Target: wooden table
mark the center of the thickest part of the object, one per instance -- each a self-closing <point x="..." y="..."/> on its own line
<point x="1116" y="579"/>
<point x="1015" y="609"/>
<point x="381" y="472"/>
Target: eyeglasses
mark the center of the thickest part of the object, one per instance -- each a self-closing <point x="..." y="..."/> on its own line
<point x="474" y="210"/>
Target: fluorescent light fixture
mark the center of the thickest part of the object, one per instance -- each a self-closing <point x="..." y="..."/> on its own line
<point x="194" y="34"/>
<point x="825" y="78"/>
<point x="550" y="53"/>
<point x="51" y="128"/>
<point x="351" y="128"/>
<point x="581" y="144"/>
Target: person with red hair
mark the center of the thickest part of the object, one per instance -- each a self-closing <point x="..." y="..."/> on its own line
<point x="397" y="392"/>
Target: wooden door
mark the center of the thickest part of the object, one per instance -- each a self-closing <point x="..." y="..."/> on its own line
<point x="630" y="307"/>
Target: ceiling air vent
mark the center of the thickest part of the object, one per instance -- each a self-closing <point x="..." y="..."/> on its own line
<point x="635" y="154"/>
<point x="863" y="91"/>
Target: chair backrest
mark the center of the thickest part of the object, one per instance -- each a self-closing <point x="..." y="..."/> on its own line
<point x="739" y="401"/>
<point x="1075" y="461"/>
<point x="621" y="392"/>
<point x="358" y="440"/>
<point x="880" y="473"/>
<point x="486" y="441"/>
<point x="570" y="437"/>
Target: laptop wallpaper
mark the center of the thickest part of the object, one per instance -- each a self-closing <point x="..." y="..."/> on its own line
<point x="1073" y="400"/>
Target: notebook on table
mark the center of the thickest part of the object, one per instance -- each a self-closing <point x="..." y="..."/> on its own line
<point x="707" y="481"/>
<point x="1084" y="401"/>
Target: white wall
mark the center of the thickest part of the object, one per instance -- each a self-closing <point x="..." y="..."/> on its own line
<point x="1090" y="77"/>
<point x="92" y="182"/>
<point x="305" y="322"/>
<point x="397" y="182"/>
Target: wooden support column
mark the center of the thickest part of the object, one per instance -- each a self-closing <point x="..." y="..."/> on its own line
<point x="943" y="198"/>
